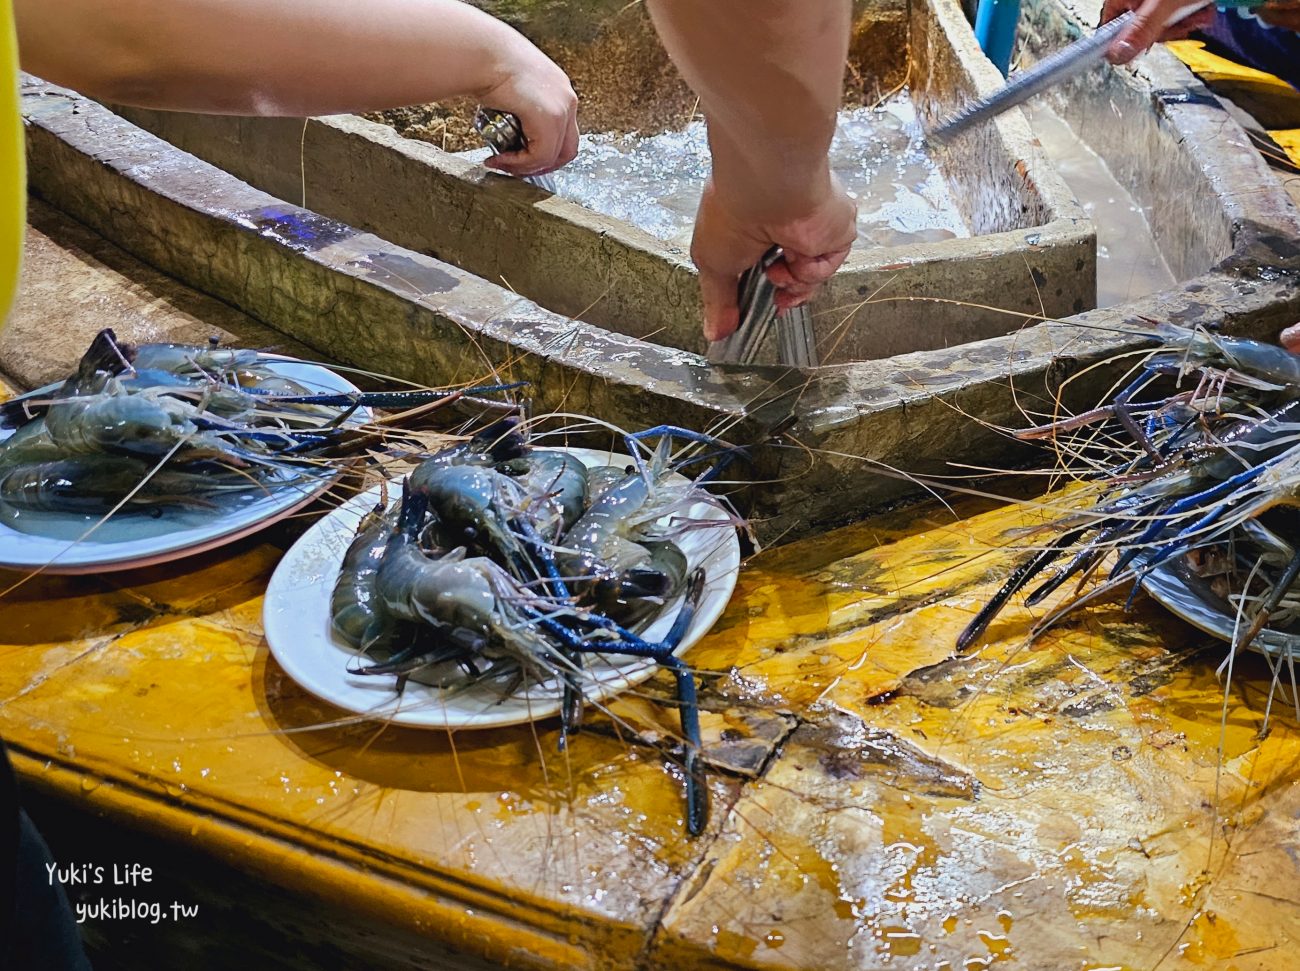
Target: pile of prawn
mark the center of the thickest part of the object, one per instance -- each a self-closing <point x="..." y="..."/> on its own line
<point x="503" y="565"/>
<point x="143" y="427"/>
<point x="1196" y="465"/>
<point x="509" y="564"/>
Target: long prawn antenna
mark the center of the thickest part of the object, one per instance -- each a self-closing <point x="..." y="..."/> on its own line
<point x="1158" y="327"/>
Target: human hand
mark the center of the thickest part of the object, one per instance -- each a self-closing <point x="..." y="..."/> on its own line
<point x="1148" y="27"/>
<point x="1280" y="13"/>
<point x="728" y="241"/>
<point x="1290" y="338"/>
<point x="532" y="87"/>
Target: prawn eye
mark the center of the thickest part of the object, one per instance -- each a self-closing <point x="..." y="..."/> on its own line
<point x="471" y="533"/>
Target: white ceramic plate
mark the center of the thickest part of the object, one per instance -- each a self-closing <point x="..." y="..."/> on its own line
<point x="72" y="543"/>
<point x="1185" y="595"/>
<point x="296" y="617"/>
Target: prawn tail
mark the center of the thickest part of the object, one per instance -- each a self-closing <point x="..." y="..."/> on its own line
<point x="105" y="354"/>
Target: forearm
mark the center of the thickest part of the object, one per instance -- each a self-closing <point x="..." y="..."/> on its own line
<point x="266" y="57"/>
<point x="770" y="76"/>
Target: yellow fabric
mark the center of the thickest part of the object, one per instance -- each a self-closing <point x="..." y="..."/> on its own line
<point x="1289" y="139"/>
<point x="1211" y="67"/>
<point x="13" y="192"/>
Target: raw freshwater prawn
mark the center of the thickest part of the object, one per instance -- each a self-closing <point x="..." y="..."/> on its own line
<point x="93" y="485"/>
<point x="203" y="412"/>
<point x="355" y="613"/>
<point x="556" y="487"/>
<point x="620" y="555"/>
<point x="1206" y="477"/>
<point x="553" y="577"/>
<point x="474" y="608"/>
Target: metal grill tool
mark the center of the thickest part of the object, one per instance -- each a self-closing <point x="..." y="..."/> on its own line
<point x="796" y="343"/>
<point x="502" y="132"/>
<point x="1054" y="69"/>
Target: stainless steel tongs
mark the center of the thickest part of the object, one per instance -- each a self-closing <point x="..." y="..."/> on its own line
<point x="501" y="132"/>
<point x="796" y="343"/>
<point x="1057" y="67"/>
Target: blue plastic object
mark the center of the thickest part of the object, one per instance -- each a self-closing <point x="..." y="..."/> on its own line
<point x="995" y="29"/>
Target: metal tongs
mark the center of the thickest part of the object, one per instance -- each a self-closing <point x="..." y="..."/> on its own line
<point x="502" y="132"/>
<point x="1058" y="67"/>
<point x="797" y="347"/>
<point x="796" y="343"/>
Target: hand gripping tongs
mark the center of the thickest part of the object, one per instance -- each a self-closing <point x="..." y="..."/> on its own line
<point x="796" y="343"/>
<point x="501" y="132"/>
<point x="1058" y="67"/>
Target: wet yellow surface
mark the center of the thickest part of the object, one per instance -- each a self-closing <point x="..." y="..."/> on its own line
<point x="878" y="800"/>
<point x="1211" y="67"/>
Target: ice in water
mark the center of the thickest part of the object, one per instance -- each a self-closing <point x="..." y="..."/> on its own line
<point x="654" y="182"/>
<point x="902" y="197"/>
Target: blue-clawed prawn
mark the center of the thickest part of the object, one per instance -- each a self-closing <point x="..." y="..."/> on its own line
<point x="621" y="554"/>
<point x="1195" y="479"/>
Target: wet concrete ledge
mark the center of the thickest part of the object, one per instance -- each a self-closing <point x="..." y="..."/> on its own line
<point x="364" y="301"/>
<point x="74" y="283"/>
<point x="1032" y="248"/>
